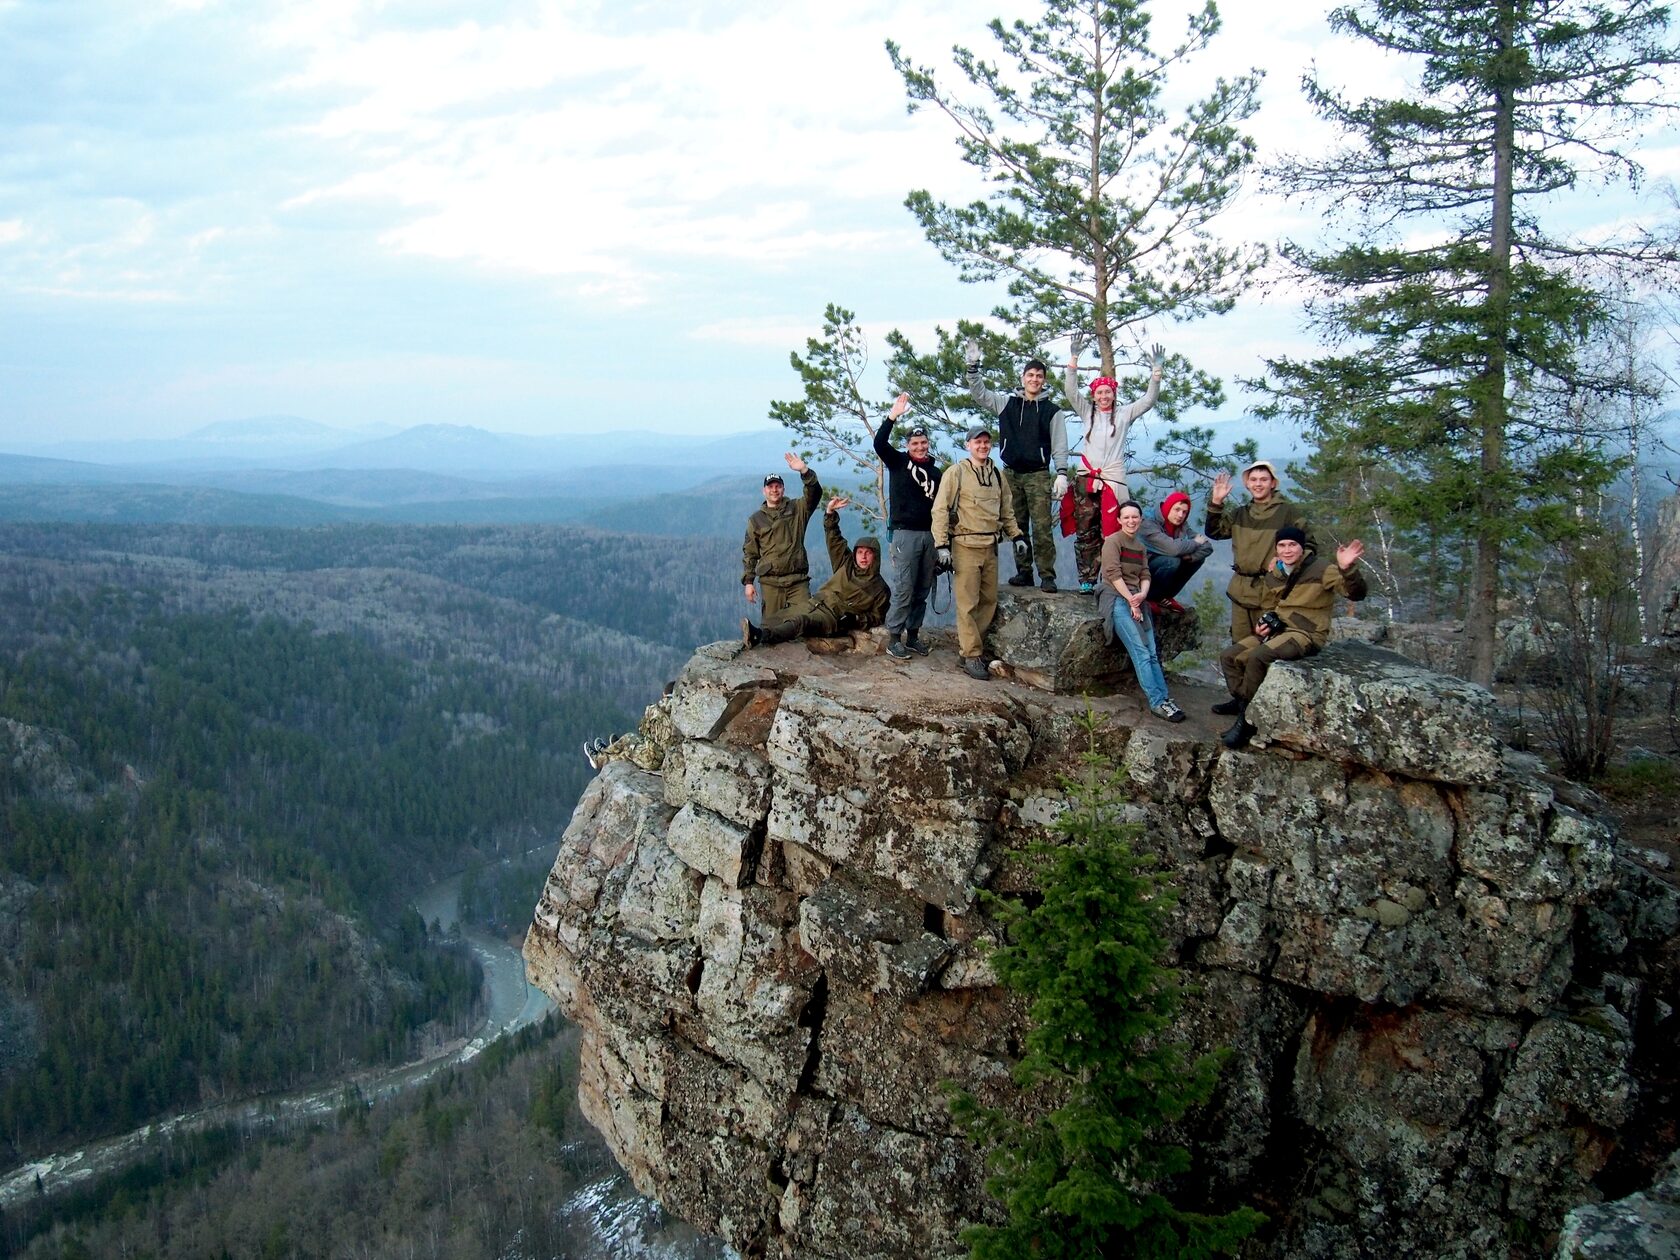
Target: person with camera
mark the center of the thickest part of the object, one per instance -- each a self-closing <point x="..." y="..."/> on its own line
<point x="1032" y="441"/>
<point x="1251" y="529"/>
<point x="1298" y="597"/>
<point x="972" y="513"/>
<point x="773" y="555"/>
<point x="1123" y="605"/>
<point x="912" y="484"/>
<point x="855" y="598"/>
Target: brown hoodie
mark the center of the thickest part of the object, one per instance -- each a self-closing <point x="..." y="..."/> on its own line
<point x="858" y="598"/>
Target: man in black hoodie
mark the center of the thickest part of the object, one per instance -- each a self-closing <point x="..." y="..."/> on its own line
<point x="1032" y="443"/>
<point x="912" y="481"/>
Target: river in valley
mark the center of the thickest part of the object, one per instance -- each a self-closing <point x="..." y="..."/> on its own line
<point x="619" y="1222"/>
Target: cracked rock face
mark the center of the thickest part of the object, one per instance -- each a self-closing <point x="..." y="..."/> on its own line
<point x="1423" y="959"/>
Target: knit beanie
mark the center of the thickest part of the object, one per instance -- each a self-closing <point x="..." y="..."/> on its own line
<point x="1167" y="505"/>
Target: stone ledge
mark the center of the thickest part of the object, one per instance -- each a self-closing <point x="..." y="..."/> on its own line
<point x="1357" y="703"/>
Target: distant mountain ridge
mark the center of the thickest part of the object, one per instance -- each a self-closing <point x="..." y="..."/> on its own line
<point x="294" y="444"/>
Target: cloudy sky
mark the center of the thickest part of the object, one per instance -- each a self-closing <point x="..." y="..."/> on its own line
<point x="531" y="216"/>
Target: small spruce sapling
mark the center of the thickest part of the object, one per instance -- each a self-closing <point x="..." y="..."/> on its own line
<point x="1086" y="1178"/>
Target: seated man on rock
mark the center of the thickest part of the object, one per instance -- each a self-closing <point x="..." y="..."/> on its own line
<point x="1175" y="554"/>
<point x="1298" y="595"/>
<point x="855" y="598"/>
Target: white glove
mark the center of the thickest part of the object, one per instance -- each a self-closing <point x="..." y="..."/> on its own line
<point x="1060" y="488"/>
<point x="971" y="352"/>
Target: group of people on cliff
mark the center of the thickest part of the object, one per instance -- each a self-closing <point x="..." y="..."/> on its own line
<point x="1282" y="590"/>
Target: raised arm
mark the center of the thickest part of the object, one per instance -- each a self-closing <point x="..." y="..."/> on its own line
<point x="993" y="403"/>
<point x="838" y="551"/>
<point x="1157" y="354"/>
<point x="1217" y="525"/>
<point x="883" y="435"/>
<point x="1349" y="577"/>
<point x="813" y="488"/>
<point x="1080" y="404"/>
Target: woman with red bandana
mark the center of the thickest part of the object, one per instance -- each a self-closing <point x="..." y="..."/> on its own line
<point x="1091" y="511"/>
<point x="1174" y="553"/>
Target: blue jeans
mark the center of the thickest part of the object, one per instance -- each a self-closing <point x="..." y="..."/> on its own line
<point x="1139" y="638"/>
<point x="1168" y="575"/>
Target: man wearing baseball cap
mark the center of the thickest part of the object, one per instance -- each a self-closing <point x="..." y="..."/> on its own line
<point x="773" y="555"/>
<point x="971" y="513"/>
<point x="912" y="483"/>
<point x="1299" y="591"/>
<point x="1252" y="529"/>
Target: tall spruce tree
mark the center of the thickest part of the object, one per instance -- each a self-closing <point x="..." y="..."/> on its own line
<point x="1087" y="1175"/>
<point x="1456" y="317"/>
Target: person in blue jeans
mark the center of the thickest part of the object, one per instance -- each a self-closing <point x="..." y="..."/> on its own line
<point x="1123" y="605"/>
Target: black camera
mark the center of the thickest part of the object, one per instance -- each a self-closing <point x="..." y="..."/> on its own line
<point x="1274" y="624"/>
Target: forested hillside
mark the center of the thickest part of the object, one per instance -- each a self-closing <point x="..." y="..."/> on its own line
<point x="492" y="1159"/>
<point x="227" y="758"/>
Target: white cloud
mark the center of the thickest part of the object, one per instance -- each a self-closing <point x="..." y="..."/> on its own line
<point x="555" y="147"/>
<point x="11" y="230"/>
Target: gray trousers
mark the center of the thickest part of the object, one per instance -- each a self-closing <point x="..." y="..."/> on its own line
<point x="911" y="555"/>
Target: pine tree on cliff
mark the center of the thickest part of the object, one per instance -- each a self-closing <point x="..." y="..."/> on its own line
<point x="1456" y="314"/>
<point x="1100" y="222"/>
<point x="1086" y="1178"/>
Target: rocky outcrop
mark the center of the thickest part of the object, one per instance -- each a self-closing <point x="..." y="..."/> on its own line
<point x="1425" y="955"/>
<point x="1643" y="1226"/>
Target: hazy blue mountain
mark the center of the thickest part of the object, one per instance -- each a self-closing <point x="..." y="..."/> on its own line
<point x="32" y="470"/>
<point x="184" y="505"/>
<point x="465" y="450"/>
<point x="256" y="439"/>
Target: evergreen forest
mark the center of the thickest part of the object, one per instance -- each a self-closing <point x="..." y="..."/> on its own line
<point x="228" y="758"/>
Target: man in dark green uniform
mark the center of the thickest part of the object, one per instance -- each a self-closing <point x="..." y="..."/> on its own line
<point x="773" y="555"/>
<point x="1252" y="529"/>
<point x="855" y="598"/>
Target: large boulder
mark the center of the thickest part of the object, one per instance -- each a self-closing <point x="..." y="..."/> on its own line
<point x="1643" y="1226"/>
<point x="1055" y="641"/>
<point x="1357" y="703"/>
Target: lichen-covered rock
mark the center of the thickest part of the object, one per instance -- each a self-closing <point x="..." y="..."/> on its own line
<point x="1360" y="704"/>
<point x="1055" y="641"/>
<point x="1394" y="1095"/>
<point x="892" y="784"/>
<point x="1433" y="982"/>
<point x="1643" y="1226"/>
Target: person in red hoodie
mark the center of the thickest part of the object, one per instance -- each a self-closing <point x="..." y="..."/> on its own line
<point x="1174" y="553"/>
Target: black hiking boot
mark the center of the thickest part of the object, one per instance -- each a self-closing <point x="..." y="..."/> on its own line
<point x="916" y="645"/>
<point x="1227" y="708"/>
<point x="974" y="667"/>
<point x="751" y="635"/>
<point x="1048" y="586"/>
<point x="1023" y="577"/>
<point x="1241" y="731"/>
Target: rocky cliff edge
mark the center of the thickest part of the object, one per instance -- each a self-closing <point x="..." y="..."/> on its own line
<point x="1431" y="961"/>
